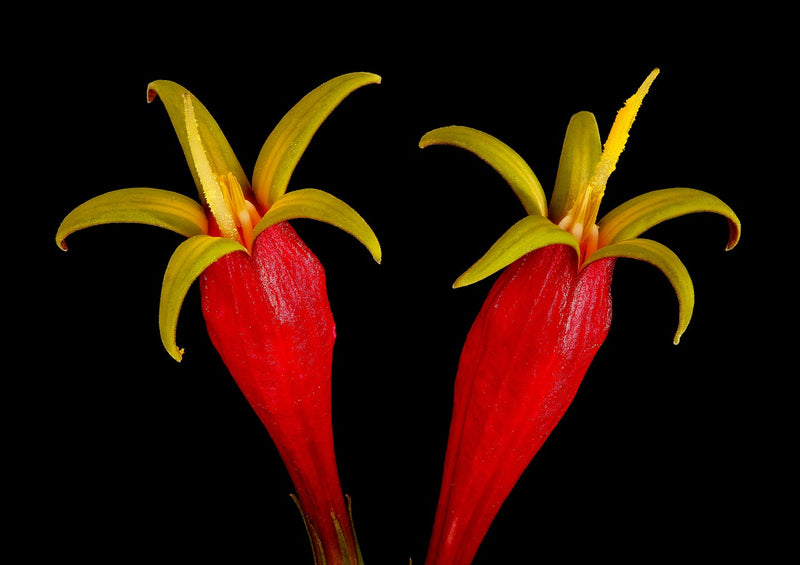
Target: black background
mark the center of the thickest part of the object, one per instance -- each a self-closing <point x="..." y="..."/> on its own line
<point x="668" y="451"/>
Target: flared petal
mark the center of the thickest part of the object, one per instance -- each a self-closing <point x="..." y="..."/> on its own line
<point x="528" y="234"/>
<point x="218" y="150"/>
<point x="151" y="206"/>
<point x="664" y="259"/>
<point x="637" y="215"/>
<point x="500" y="157"/>
<point x="318" y="205"/>
<point x="190" y="259"/>
<point x="287" y="142"/>
<point x="579" y="156"/>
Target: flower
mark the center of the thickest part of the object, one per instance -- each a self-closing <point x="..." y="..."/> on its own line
<point x="546" y="315"/>
<point x="263" y="291"/>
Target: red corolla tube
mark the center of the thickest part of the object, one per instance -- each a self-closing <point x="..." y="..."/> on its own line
<point x="546" y="315"/>
<point x="263" y="291"/>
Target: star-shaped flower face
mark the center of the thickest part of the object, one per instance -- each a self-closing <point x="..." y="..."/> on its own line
<point x="571" y="217"/>
<point x="231" y="213"/>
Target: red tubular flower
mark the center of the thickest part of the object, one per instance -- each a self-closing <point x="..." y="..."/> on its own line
<point x="282" y="364"/>
<point x="263" y="291"/>
<point x="546" y="315"/>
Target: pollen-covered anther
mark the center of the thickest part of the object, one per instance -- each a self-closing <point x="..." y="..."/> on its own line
<point x="581" y="218"/>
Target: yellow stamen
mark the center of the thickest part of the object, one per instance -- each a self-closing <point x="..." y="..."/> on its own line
<point x="617" y="137"/>
<point x="213" y="191"/>
<point x="222" y="192"/>
<point x="582" y="217"/>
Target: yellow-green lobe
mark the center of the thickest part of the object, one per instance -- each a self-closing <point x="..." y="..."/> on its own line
<point x="637" y="215"/>
<point x="189" y="260"/>
<point x="579" y="156"/>
<point x="528" y="234"/>
<point x="150" y="206"/>
<point x="321" y="206"/>
<point x="502" y="158"/>
<point x="667" y="262"/>
<point x="288" y="141"/>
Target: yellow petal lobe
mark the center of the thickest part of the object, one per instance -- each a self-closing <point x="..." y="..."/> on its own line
<point x="634" y="217"/>
<point x="151" y="206"/>
<point x="500" y="157"/>
<point x="665" y="260"/>
<point x="190" y="259"/>
<point x="287" y="142"/>
<point x="318" y="205"/>
<point x="528" y="234"/>
<point x="579" y="155"/>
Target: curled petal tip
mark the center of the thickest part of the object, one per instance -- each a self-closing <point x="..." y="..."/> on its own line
<point x="735" y="233"/>
<point x="430" y="137"/>
<point x="151" y="93"/>
<point x="176" y="353"/>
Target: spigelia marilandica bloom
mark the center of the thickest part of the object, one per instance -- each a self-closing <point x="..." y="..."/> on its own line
<point x="546" y="315"/>
<point x="263" y="291"/>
